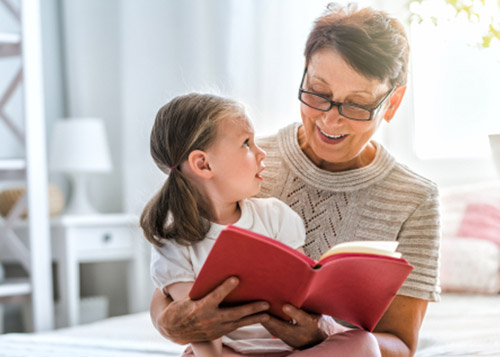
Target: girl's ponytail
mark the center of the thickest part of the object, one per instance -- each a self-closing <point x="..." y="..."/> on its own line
<point x="175" y="212"/>
<point x="153" y="217"/>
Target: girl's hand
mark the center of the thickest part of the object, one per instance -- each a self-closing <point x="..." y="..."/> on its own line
<point x="303" y="333"/>
<point x="186" y="321"/>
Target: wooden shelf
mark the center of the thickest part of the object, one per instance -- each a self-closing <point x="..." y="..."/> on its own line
<point x="15" y="287"/>
<point x="10" y="44"/>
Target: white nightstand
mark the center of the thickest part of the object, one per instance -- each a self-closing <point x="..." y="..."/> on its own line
<point x="97" y="238"/>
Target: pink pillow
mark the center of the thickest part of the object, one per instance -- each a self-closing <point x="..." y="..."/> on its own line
<point x="481" y="220"/>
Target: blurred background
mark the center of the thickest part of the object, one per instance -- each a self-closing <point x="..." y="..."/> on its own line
<point x="120" y="60"/>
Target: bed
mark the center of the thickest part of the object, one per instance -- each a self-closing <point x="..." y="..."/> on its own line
<point x="459" y="325"/>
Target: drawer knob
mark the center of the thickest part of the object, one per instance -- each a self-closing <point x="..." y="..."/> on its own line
<point x="106" y="237"/>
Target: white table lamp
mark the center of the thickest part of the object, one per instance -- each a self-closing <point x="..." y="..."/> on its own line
<point x="495" y="150"/>
<point x="79" y="147"/>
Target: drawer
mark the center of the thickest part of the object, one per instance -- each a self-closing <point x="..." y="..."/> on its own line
<point x="101" y="238"/>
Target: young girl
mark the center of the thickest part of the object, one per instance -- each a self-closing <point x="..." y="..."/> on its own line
<point x="206" y="146"/>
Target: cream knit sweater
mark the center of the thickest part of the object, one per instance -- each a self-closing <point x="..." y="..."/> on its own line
<point x="382" y="201"/>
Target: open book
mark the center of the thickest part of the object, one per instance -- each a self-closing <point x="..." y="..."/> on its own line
<point x="353" y="281"/>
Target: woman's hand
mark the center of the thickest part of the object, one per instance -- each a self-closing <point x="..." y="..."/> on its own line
<point x="303" y="333"/>
<point x="185" y="321"/>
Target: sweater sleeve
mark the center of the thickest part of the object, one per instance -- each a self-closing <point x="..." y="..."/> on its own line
<point x="419" y="241"/>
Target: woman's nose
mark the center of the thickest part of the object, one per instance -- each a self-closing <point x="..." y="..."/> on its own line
<point x="332" y="116"/>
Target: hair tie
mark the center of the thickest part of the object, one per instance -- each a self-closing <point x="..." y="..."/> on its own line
<point x="172" y="168"/>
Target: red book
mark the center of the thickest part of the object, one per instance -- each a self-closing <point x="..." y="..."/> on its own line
<point x="353" y="281"/>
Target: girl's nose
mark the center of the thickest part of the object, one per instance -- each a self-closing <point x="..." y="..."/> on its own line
<point x="261" y="154"/>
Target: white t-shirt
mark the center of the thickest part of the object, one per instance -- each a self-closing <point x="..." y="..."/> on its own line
<point x="174" y="262"/>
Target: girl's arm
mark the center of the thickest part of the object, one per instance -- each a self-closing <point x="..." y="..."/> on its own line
<point x="213" y="348"/>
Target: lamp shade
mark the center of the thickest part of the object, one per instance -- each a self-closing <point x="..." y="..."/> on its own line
<point x="80" y="145"/>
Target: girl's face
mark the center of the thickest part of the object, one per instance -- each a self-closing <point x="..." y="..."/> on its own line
<point x="330" y="140"/>
<point x="235" y="160"/>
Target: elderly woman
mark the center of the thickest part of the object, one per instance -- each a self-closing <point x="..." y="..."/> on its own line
<point x="345" y="186"/>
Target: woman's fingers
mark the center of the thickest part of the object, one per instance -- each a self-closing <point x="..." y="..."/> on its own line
<point x="216" y="296"/>
<point x="233" y="314"/>
<point x="240" y="312"/>
<point x="299" y="316"/>
<point x="301" y="332"/>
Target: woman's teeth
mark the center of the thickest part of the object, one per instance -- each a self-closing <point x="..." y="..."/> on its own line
<point x="331" y="136"/>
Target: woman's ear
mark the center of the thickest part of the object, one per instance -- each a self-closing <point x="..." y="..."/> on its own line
<point x="199" y="165"/>
<point x="394" y="103"/>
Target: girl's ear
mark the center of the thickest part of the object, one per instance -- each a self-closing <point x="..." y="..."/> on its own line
<point x="198" y="163"/>
<point x="394" y="103"/>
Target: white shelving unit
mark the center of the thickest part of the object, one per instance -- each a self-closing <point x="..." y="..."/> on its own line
<point x="35" y="257"/>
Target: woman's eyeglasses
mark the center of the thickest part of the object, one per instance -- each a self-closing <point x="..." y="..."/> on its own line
<point x="350" y="111"/>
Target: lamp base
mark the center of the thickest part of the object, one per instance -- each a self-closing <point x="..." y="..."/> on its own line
<point x="79" y="203"/>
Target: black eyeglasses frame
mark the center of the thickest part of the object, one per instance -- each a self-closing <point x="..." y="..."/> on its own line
<point x="340" y="105"/>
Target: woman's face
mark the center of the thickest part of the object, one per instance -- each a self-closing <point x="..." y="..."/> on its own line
<point x="329" y="139"/>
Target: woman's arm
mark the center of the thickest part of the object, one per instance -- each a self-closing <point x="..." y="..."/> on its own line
<point x="187" y="321"/>
<point x="397" y="330"/>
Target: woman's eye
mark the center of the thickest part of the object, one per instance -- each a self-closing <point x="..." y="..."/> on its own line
<point x="318" y="90"/>
<point x="320" y="93"/>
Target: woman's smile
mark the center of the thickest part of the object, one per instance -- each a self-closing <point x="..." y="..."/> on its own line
<point x="330" y="138"/>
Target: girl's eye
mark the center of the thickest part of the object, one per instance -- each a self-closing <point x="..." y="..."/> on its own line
<point x="247" y="143"/>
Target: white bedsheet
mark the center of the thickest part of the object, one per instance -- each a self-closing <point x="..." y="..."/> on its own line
<point x="123" y="336"/>
<point x="461" y="325"/>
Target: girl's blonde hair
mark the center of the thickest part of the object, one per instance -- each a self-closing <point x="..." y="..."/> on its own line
<point x="186" y="123"/>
